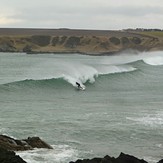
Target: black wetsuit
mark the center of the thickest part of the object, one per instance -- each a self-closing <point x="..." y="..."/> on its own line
<point x="78" y="84"/>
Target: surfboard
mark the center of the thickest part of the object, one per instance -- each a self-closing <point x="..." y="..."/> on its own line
<point x="81" y="88"/>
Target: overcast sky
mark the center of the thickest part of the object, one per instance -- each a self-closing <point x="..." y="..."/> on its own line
<point x="82" y="14"/>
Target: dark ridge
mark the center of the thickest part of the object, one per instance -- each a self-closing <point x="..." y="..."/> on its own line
<point x="64" y="32"/>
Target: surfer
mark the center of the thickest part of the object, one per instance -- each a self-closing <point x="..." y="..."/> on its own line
<point x="78" y="85"/>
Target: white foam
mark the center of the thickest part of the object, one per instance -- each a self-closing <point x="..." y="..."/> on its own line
<point x="147" y="120"/>
<point x="150" y="159"/>
<point x="154" y="61"/>
<point x="151" y="58"/>
<point x="81" y="74"/>
<point x="60" y="153"/>
<point x="103" y="70"/>
<point x="159" y="145"/>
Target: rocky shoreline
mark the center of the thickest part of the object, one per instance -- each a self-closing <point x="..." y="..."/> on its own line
<point x="9" y="145"/>
<point x="88" y="42"/>
<point x="30" y="143"/>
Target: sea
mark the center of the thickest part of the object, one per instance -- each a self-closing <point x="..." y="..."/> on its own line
<point x="120" y="110"/>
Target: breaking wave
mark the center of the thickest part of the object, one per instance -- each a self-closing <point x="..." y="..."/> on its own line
<point x="84" y="75"/>
<point x="64" y="71"/>
<point x="60" y="153"/>
<point x="154" y="61"/>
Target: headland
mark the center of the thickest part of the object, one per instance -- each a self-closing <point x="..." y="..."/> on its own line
<point x="92" y="42"/>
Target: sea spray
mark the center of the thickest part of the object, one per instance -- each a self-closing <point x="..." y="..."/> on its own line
<point x="60" y="154"/>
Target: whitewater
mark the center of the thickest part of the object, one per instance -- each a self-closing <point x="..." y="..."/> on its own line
<point x="119" y="111"/>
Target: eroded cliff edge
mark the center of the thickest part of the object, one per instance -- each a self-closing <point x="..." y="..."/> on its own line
<point x="77" y="41"/>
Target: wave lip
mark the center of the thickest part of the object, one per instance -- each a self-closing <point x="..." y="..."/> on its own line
<point x="89" y="75"/>
<point x="116" y="69"/>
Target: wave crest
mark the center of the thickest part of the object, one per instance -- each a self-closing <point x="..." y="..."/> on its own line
<point x="81" y="75"/>
<point x="154" y="61"/>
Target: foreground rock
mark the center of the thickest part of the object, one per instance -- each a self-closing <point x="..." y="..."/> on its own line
<point x="8" y="145"/>
<point x="9" y="157"/>
<point x="123" y="158"/>
<point x="24" y="144"/>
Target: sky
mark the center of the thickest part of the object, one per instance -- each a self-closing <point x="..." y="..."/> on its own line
<point x="81" y="14"/>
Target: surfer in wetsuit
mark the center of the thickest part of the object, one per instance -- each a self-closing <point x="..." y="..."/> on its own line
<point x="78" y="85"/>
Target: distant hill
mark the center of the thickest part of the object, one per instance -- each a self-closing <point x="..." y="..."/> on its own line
<point x="95" y="42"/>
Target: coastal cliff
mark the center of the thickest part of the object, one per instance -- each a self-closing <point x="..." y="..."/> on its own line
<point x="93" y="42"/>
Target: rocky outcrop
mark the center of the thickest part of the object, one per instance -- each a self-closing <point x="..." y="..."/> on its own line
<point x="40" y="40"/>
<point x="7" y="45"/>
<point x="72" y="42"/>
<point x="21" y="145"/>
<point x="115" y="40"/>
<point x="36" y="142"/>
<point x="123" y="158"/>
<point x="161" y="161"/>
<point x="8" y="145"/>
<point x="27" y="49"/>
<point x="9" y="157"/>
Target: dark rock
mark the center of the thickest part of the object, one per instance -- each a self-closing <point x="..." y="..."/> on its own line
<point x="125" y="40"/>
<point x="161" y="161"/>
<point x="12" y="144"/>
<point x="36" y="142"/>
<point x="27" y="48"/>
<point x="41" y="40"/>
<point x="55" y="41"/>
<point x="72" y="42"/>
<point x="115" y="40"/>
<point x="7" y="47"/>
<point x="96" y="160"/>
<point x="21" y="145"/>
<point x="136" y="40"/>
<point x="123" y="158"/>
<point x="9" y="157"/>
<point x="104" y="45"/>
<point x="58" y="40"/>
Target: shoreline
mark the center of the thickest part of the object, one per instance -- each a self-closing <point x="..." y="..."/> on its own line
<point x="9" y="146"/>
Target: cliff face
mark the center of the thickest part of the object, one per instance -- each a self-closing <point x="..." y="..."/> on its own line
<point x="80" y="42"/>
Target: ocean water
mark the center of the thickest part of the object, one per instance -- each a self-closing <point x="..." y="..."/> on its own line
<point x="121" y="109"/>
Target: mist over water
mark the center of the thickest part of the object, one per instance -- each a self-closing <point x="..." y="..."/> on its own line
<point x="119" y="111"/>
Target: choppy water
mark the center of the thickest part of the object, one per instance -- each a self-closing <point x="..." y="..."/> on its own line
<point x="121" y="109"/>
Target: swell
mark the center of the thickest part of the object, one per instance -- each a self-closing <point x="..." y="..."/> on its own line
<point x="32" y="84"/>
<point x="55" y="83"/>
<point x="84" y="78"/>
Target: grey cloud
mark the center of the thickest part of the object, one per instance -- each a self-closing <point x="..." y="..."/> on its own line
<point x="84" y="14"/>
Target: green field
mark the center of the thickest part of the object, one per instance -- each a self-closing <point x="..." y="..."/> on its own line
<point x="153" y="33"/>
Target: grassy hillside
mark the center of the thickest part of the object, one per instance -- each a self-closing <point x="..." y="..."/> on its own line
<point x="154" y="33"/>
<point x="77" y="41"/>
